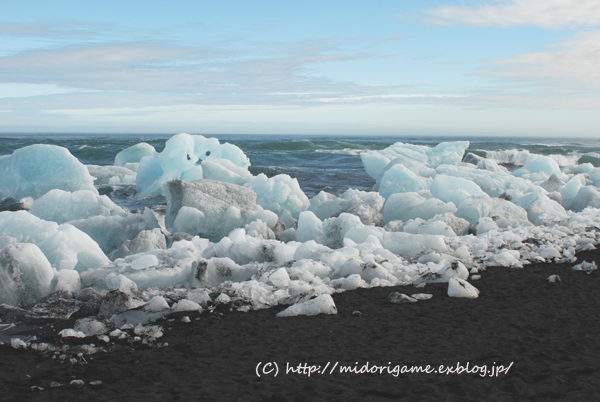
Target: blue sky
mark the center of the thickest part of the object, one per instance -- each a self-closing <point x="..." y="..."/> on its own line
<point x="513" y="67"/>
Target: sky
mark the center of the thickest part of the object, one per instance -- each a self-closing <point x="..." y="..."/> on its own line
<point x="501" y="67"/>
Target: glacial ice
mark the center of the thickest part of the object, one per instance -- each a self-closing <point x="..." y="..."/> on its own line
<point x="25" y="275"/>
<point x="323" y="304"/>
<point x="134" y="154"/>
<point x="61" y="206"/>
<point x="211" y="209"/>
<point x="441" y="216"/>
<point x="180" y="160"/>
<point x="34" y="170"/>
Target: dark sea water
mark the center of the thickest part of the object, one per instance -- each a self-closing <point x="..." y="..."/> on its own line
<point x="329" y="163"/>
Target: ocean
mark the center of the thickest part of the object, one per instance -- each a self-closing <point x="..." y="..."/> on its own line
<point x="319" y="163"/>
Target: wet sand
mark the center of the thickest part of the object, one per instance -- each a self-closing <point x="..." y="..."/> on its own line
<point x="550" y="333"/>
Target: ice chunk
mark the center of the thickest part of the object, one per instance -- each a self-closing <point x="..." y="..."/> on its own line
<point x="505" y="258"/>
<point x="71" y="333"/>
<point x="368" y="206"/>
<point x="34" y="170"/>
<point x="544" y="164"/>
<point x="586" y="197"/>
<point x="323" y="304"/>
<point x="443" y="153"/>
<point x="25" y="275"/>
<point x="443" y="274"/>
<point x="145" y="261"/>
<point x="61" y="206"/>
<point x="280" y="194"/>
<point x="477" y="207"/>
<point x="280" y="278"/>
<point x="569" y="191"/>
<point x="433" y="227"/>
<point x="111" y="231"/>
<point x="157" y="303"/>
<point x="331" y="232"/>
<point x="412" y="244"/>
<point x="550" y="252"/>
<point x="146" y="240"/>
<point x="112" y="175"/>
<point x="537" y="204"/>
<point x="492" y="183"/>
<point x="90" y="326"/>
<point x="226" y="171"/>
<point x="585" y="267"/>
<point x="211" y="209"/>
<point x="179" y="160"/>
<point x="552" y="184"/>
<point x="68" y="281"/>
<point x="400" y="179"/>
<point x="485" y="225"/>
<point x="454" y="189"/>
<point x="116" y="302"/>
<point x="186" y="305"/>
<point x="65" y="246"/>
<point x="134" y="154"/>
<point x="406" y="206"/>
<point x="461" y="288"/>
<point x="400" y="298"/>
<point x="177" y="265"/>
<point x="219" y="270"/>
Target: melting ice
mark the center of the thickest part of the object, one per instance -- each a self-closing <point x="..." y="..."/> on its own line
<point x="228" y="236"/>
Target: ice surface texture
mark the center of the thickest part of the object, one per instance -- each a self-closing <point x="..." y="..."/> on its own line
<point x="34" y="170"/>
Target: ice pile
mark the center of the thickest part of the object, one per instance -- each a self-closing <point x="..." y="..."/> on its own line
<point x="249" y="242"/>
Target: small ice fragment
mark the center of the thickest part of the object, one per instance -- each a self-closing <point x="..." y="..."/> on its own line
<point x="71" y="333"/>
<point x="223" y="298"/>
<point x="357" y="313"/>
<point x="157" y="303"/>
<point x="186" y="319"/>
<point x="104" y="338"/>
<point x="586" y="267"/>
<point x="144" y="262"/>
<point x="460" y="288"/>
<point x="187" y="305"/>
<point x="17" y="343"/>
<point x="475" y="277"/>
<point x="398" y="298"/>
<point x="77" y="382"/>
<point x="55" y="384"/>
<point x="422" y="296"/>
<point x="474" y="271"/>
<point x="323" y="304"/>
<point x="96" y="382"/>
<point x="554" y="279"/>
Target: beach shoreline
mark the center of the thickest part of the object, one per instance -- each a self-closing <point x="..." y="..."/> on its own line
<point x="546" y="332"/>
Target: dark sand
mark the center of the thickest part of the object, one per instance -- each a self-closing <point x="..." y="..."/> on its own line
<point x="550" y="332"/>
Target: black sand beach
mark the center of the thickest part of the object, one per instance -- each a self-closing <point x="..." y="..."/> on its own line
<point x="550" y="333"/>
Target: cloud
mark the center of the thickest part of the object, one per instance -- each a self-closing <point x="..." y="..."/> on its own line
<point x="572" y="66"/>
<point x="549" y="14"/>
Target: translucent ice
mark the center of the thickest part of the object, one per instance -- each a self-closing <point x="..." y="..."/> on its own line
<point x="134" y="154"/>
<point x="330" y="232"/>
<point x="454" y="189"/>
<point x="280" y="194"/>
<point x="462" y="288"/>
<point x="179" y="160"/>
<point x="61" y="206"/>
<point x="368" y="206"/>
<point x="586" y="197"/>
<point x="25" y="275"/>
<point x="406" y="206"/>
<point x="36" y="169"/>
<point x="211" y="209"/>
<point x="323" y="304"/>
